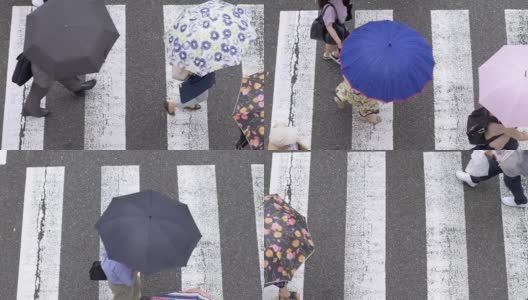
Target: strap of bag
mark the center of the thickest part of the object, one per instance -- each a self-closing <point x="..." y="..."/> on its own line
<point x="492" y="139"/>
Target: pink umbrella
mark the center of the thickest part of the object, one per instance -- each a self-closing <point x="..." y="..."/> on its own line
<point x="503" y="82"/>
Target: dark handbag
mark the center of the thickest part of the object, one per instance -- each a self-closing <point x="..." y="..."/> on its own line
<point x="341" y="31"/>
<point x="318" y="29"/>
<point x="22" y="72"/>
<point x="96" y="271"/>
<point x="195" y="86"/>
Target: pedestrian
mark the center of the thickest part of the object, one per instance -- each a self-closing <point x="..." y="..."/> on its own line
<point x="334" y="14"/>
<point x="284" y="293"/>
<point x="488" y="133"/>
<point x="513" y="164"/>
<point x="42" y="83"/>
<point x="123" y="281"/>
<point x="190" y="84"/>
<point x="367" y="108"/>
<point x="283" y="137"/>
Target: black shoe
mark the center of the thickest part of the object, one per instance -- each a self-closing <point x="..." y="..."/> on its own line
<point x="43" y="113"/>
<point x="85" y="86"/>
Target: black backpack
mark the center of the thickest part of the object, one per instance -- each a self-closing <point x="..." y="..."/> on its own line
<point x="348" y="5"/>
<point x="477" y="125"/>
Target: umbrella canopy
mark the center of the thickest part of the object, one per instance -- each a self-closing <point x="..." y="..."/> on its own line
<point x="503" y="85"/>
<point x="287" y="241"/>
<point x="148" y="231"/>
<point x="66" y="38"/>
<point x="387" y="61"/>
<point x="209" y="37"/>
<point x="249" y="110"/>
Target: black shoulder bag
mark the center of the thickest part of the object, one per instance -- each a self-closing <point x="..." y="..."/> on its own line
<point x="22" y="72"/>
<point x="96" y="271"/>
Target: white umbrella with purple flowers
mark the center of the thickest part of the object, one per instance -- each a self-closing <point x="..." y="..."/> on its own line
<point x="209" y="37"/>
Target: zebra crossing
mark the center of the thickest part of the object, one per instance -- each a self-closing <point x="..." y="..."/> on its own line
<point x="104" y="118"/>
<point x="42" y="259"/>
<point x="296" y="99"/>
<point x="366" y="254"/>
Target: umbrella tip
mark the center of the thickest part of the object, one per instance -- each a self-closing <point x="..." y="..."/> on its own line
<point x="526" y="73"/>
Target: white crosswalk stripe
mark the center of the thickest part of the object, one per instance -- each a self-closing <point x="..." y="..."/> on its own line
<point x="39" y="266"/>
<point x="293" y="92"/>
<point x="105" y="104"/>
<point x="365" y="226"/>
<point x="3" y="157"/>
<point x="447" y="273"/>
<point x="197" y="189"/>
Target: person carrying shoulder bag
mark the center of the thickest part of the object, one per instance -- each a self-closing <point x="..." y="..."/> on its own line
<point x="334" y="14"/>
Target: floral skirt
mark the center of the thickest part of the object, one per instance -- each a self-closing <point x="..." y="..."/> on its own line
<point x="364" y="105"/>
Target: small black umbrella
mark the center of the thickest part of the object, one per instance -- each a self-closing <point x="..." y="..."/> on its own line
<point x="66" y="38"/>
<point x="148" y="231"/>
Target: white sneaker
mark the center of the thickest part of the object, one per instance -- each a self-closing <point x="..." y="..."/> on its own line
<point x="465" y="177"/>
<point x="510" y="201"/>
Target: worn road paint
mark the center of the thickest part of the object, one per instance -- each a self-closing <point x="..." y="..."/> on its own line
<point x="366" y="136"/>
<point x="257" y="175"/>
<point x="105" y="104"/>
<point x="115" y="181"/>
<point x="19" y="133"/>
<point x="517" y="34"/>
<point x="447" y="267"/>
<point x="365" y="226"/>
<point x="3" y="157"/>
<point x="290" y="179"/>
<point x="293" y="93"/>
<point x="515" y="229"/>
<point x="39" y="266"/>
<point x="187" y="130"/>
<point x="453" y="78"/>
<point x="197" y="189"/>
<point x="253" y="61"/>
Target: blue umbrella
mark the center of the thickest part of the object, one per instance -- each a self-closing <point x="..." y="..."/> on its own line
<point x="387" y="61"/>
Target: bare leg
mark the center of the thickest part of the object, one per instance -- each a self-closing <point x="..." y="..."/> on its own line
<point x="32" y="105"/>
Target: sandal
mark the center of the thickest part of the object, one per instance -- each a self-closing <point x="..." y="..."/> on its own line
<point x="166" y="106"/>
<point x="378" y="120"/>
<point x="193" y="108"/>
<point x="335" y="58"/>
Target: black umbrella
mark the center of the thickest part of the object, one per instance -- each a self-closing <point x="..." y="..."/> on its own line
<point x="148" y="231"/>
<point x="66" y="38"/>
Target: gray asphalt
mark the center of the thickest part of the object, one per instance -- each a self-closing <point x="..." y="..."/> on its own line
<point x="413" y="120"/>
<point x="406" y="261"/>
<point x="80" y="243"/>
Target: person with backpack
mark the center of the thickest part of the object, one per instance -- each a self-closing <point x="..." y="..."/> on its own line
<point x="486" y="132"/>
<point x="335" y="13"/>
<point x="513" y="164"/>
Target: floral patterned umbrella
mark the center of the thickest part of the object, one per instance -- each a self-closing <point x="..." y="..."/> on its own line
<point x="249" y="110"/>
<point x="209" y="37"/>
<point x="287" y="241"/>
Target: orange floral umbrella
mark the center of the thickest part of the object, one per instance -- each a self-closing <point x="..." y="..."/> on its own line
<point x="249" y="110"/>
<point x="287" y="241"/>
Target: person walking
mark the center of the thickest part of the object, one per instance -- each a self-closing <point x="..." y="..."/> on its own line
<point x="367" y="108"/>
<point x="488" y="133"/>
<point x="513" y="164"/>
<point x="334" y="14"/>
<point x="284" y="293"/>
<point x="42" y="83"/>
<point x="123" y="281"/>
<point x="190" y="83"/>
